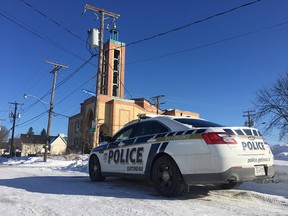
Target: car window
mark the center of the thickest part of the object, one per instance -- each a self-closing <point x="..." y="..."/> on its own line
<point x="150" y="127"/>
<point x="197" y="122"/>
<point x="123" y="134"/>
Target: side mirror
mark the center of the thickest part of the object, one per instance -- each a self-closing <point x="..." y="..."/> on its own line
<point x="108" y="138"/>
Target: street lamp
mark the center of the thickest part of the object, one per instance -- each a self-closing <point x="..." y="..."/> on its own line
<point x="43" y="103"/>
<point x="57" y="67"/>
<point x="26" y="97"/>
<point x="38" y="99"/>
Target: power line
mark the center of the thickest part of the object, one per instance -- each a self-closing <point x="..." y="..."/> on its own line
<point x="71" y="93"/>
<point x="32" y="119"/>
<point x="29" y="29"/>
<point x="75" y="71"/>
<point x="41" y="114"/>
<point x="212" y="43"/>
<point x="53" y="21"/>
<point x="122" y="84"/>
<point x="192" y="23"/>
<point x="59" y="84"/>
<point x="132" y="43"/>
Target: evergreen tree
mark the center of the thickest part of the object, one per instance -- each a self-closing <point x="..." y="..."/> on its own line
<point x="43" y="132"/>
<point x="30" y="131"/>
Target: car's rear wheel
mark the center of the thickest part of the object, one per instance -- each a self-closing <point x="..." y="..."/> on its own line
<point x="229" y="185"/>
<point x="95" y="173"/>
<point x="167" y="178"/>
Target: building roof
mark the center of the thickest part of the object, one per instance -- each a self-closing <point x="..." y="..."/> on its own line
<point x="37" y="139"/>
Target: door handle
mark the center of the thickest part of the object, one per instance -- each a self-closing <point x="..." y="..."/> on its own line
<point x="151" y="140"/>
<point x="121" y="144"/>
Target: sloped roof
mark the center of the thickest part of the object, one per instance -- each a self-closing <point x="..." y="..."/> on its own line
<point x="61" y="137"/>
<point x="37" y="139"/>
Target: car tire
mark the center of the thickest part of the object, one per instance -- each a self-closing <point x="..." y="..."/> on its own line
<point x="95" y="173"/>
<point x="167" y="178"/>
<point x="229" y="185"/>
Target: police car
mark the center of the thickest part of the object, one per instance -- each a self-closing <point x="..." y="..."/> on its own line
<point x="178" y="151"/>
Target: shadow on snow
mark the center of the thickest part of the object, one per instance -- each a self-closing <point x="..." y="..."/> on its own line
<point x="111" y="187"/>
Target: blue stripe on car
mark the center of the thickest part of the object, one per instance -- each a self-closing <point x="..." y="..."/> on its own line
<point x="99" y="148"/>
<point x="113" y="145"/>
<point x="151" y="155"/>
<point x="160" y="135"/>
<point x="200" y="131"/>
<point x="189" y="132"/>
<point x="129" y="141"/>
<point x="179" y="132"/>
<point x="171" y="134"/>
<point x="163" y="146"/>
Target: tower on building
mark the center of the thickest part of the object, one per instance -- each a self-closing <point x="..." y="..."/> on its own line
<point x="112" y="80"/>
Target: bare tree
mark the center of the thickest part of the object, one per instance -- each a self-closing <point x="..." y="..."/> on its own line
<point x="272" y="105"/>
<point x="4" y="134"/>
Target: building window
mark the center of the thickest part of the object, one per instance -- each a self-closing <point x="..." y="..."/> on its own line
<point x="116" y="65"/>
<point x="115" y="91"/>
<point x="76" y="142"/>
<point x="77" y="126"/>
<point x="104" y="80"/>
<point x="115" y="78"/>
<point x="116" y="54"/>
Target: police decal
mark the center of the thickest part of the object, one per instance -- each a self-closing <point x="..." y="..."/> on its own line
<point x="253" y="145"/>
<point x="127" y="156"/>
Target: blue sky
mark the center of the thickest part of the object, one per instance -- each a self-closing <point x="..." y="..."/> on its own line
<point x="214" y="67"/>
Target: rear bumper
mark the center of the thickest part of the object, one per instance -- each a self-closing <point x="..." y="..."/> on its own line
<point x="232" y="174"/>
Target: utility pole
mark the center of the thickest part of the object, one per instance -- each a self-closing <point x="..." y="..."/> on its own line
<point x="57" y="67"/>
<point x="157" y="103"/>
<point x="102" y="12"/>
<point x="0" y="124"/>
<point x="14" y="116"/>
<point x="249" y="114"/>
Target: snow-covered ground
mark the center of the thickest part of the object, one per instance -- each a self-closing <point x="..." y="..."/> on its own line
<point x="61" y="186"/>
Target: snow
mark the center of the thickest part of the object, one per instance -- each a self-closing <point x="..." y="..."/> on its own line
<point x="61" y="186"/>
<point x="280" y="151"/>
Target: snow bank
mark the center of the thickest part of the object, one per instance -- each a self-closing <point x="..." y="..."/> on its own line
<point x="280" y="152"/>
<point x="68" y="162"/>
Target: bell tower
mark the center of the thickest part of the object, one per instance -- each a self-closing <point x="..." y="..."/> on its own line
<point x="112" y="80"/>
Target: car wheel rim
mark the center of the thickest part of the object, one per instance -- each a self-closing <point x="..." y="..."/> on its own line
<point x="94" y="167"/>
<point x="165" y="176"/>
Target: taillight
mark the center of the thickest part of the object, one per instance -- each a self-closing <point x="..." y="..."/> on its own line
<point x="218" y="138"/>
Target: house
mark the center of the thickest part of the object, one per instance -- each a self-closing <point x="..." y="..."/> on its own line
<point x="34" y="144"/>
<point x="58" y="145"/>
<point x="3" y="147"/>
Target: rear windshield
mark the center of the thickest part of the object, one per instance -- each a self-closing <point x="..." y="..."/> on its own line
<point x="197" y="122"/>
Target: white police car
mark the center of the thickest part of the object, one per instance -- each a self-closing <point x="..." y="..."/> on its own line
<point x="178" y="151"/>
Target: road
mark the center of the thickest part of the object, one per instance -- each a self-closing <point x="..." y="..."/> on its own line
<point x="46" y="191"/>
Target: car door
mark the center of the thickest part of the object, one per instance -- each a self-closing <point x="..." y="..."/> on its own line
<point x="115" y="156"/>
<point x="138" y="147"/>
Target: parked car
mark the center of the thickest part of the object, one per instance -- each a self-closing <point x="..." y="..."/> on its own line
<point x="178" y="151"/>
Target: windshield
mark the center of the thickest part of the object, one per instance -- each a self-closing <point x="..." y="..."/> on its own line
<point x="197" y="122"/>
